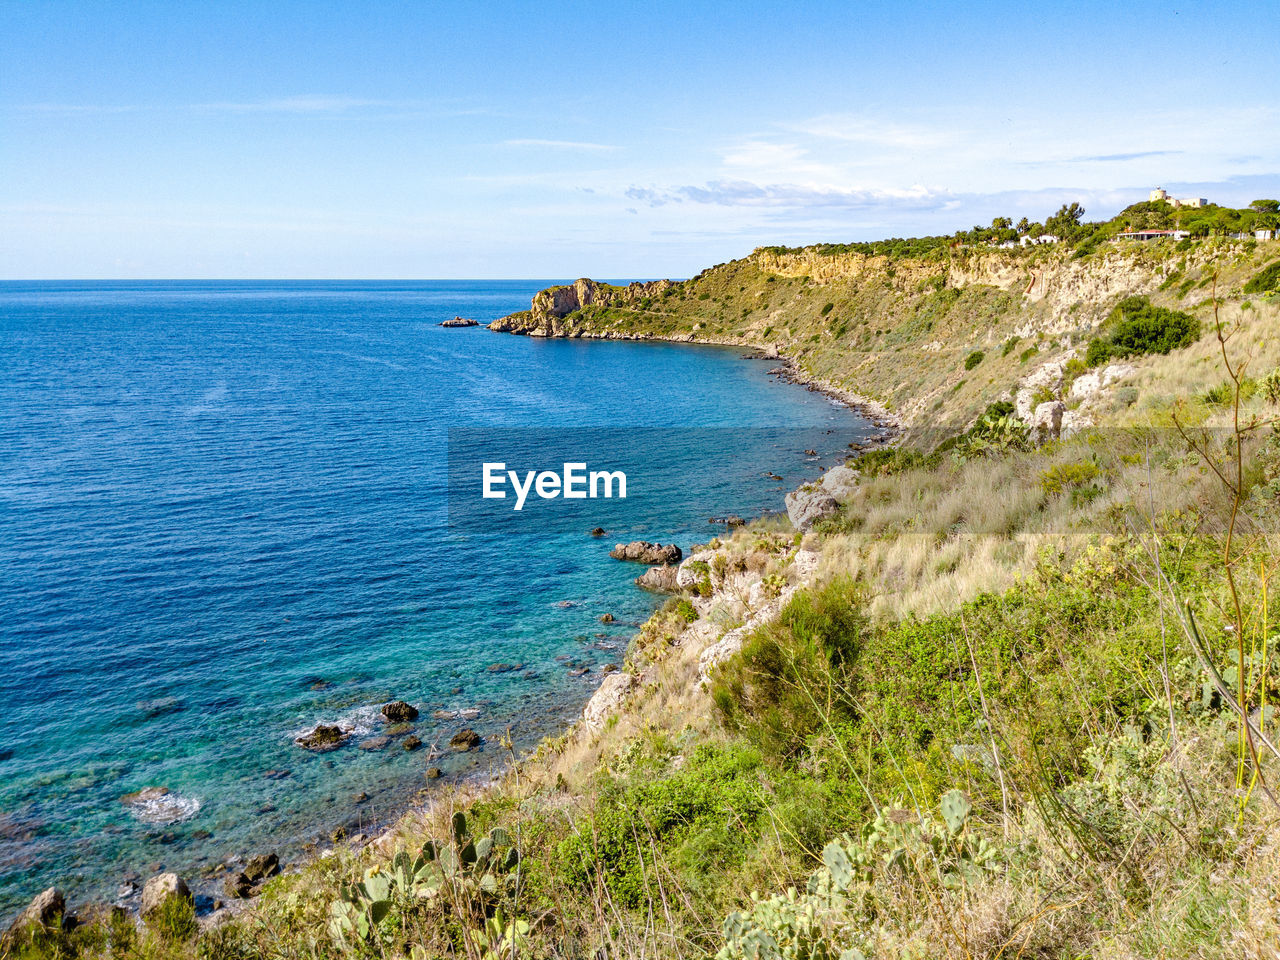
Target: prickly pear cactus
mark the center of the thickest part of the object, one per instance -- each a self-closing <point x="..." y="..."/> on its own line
<point x="955" y="810"/>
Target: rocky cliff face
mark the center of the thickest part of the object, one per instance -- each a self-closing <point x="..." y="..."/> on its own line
<point x="546" y="315"/>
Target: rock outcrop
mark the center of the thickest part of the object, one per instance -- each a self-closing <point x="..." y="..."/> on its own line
<point x="808" y="505"/>
<point x="546" y="316"/>
<point x="160" y="889"/>
<point x="659" y="579"/>
<point x="323" y="738"/>
<point x="397" y="711"/>
<point x="465" y="740"/>
<point x="607" y="699"/>
<point x="731" y="642"/>
<point x="46" y="910"/>
<point x="642" y="551"/>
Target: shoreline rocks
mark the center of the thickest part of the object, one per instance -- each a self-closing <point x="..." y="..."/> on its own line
<point x="465" y="740"/>
<point x="659" y="579"/>
<point x="642" y="551"/>
<point x="45" y="910"/>
<point x="160" y="889"/>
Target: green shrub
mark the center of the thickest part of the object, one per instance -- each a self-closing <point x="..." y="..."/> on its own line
<point x="1009" y="344"/>
<point x="770" y="690"/>
<point x="174" y="920"/>
<point x="1137" y="328"/>
<point x="1064" y="476"/>
<point x="1271" y="386"/>
<point x="973" y="359"/>
<point x="698" y="816"/>
<point x="827" y="308"/>
<point x="887" y="461"/>
<point x="1266" y="281"/>
<point x="1027" y="354"/>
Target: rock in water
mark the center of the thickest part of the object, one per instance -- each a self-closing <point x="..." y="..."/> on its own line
<point x="411" y="742"/>
<point x="397" y="711"/>
<point x="597" y="531"/>
<point x="45" y="910"/>
<point x="434" y="773"/>
<point x="262" y="866"/>
<point x="159" y="889"/>
<point x="659" y="579"/>
<point x="323" y="738"/>
<point x="465" y="740"/>
<point x="375" y="743"/>
<point x="642" y="551"/>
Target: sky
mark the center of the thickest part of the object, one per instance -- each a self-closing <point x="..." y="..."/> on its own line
<point x="503" y="139"/>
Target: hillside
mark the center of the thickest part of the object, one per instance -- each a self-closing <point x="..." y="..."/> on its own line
<point x="1004" y="689"/>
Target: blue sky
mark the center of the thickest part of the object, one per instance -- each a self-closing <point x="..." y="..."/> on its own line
<point x="405" y="139"/>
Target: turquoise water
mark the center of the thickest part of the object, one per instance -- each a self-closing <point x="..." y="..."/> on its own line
<point x="224" y="518"/>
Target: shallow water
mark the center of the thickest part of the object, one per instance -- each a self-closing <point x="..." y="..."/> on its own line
<point x="224" y="518"/>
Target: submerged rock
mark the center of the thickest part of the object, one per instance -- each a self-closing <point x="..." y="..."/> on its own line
<point x="411" y="742"/>
<point x="375" y="743"/>
<point x="642" y="551"/>
<point x="323" y="738"/>
<point x="465" y="740"/>
<point x="434" y="773"/>
<point x="160" y="889"/>
<point x="504" y="667"/>
<point x="397" y="711"/>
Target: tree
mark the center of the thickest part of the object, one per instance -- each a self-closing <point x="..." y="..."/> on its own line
<point x="1024" y="226"/>
<point x="1265" y="206"/>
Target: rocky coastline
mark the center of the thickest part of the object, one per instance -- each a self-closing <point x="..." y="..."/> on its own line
<point x="670" y="571"/>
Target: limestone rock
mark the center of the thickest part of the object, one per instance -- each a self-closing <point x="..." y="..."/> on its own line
<point x="1073" y="421"/>
<point x="808" y="505"/>
<point x="1046" y="421"/>
<point x="840" y="481"/>
<point x="607" y="699"/>
<point x="805" y="564"/>
<point x="45" y="911"/>
<point x="642" y="551"/>
<point x="659" y="579"/>
<point x="159" y="889"/>
<point x="686" y="576"/>
<point x="732" y="641"/>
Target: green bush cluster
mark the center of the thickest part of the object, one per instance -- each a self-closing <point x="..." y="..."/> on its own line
<point x="1266" y="281"/>
<point x="1065" y="476"/>
<point x="973" y="359"/>
<point x="1137" y="327"/>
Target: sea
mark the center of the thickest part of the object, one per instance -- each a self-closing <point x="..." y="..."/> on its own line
<point x="231" y="511"/>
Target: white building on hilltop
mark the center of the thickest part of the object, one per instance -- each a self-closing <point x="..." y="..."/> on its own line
<point x="1159" y="194"/>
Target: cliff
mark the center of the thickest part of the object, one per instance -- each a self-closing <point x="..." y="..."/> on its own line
<point x="902" y="331"/>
